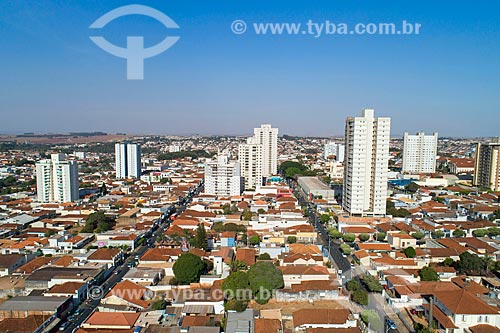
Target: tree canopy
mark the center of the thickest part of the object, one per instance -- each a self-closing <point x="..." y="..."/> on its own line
<point x="264" y="278"/>
<point x="428" y="274"/>
<point x="188" y="268"/>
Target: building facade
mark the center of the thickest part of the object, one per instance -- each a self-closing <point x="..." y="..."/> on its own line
<point x="419" y="153"/>
<point x="366" y="164"/>
<point x="334" y="149"/>
<point x="127" y="160"/>
<point x="250" y="158"/>
<point x="57" y="179"/>
<point x="222" y="177"/>
<point x="267" y="136"/>
<point x="487" y="168"/>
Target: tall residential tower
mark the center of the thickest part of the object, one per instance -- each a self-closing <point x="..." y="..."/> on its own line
<point x="57" y="179"/>
<point x="366" y="164"/>
<point x="127" y="160"/>
<point x="419" y="153"/>
<point x="487" y="169"/>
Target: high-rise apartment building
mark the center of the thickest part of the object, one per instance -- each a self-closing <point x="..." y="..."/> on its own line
<point x="419" y="153"/>
<point x="487" y="169"/>
<point x="267" y="136"/>
<point x="127" y="160"/>
<point x="334" y="149"/>
<point x="250" y="159"/>
<point x="57" y="179"/>
<point x="366" y="164"/>
<point x="222" y="177"/>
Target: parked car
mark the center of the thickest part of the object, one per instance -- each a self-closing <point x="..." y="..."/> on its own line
<point x="390" y="324"/>
<point x="64" y="326"/>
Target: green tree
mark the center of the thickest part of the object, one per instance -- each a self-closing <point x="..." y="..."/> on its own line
<point x="246" y="215"/>
<point x="410" y="252"/>
<point x="471" y="264"/>
<point x="372" y="283"/>
<point x="458" y="233"/>
<point x="200" y="240"/>
<point x="349" y="238"/>
<point x="159" y="305"/>
<point x="188" y="268"/>
<point x="493" y="231"/>
<point x="264" y="278"/>
<point x="264" y="256"/>
<point x="334" y="233"/>
<point x="346" y="249"/>
<point x="237" y="265"/>
<point x="478" y="233"/>
<point x="254" y="240"/>
<point x="496" y="213"/>
<point x="418" y="235"/>
<point x="291" y="240"/>
<point x="380" y="236"/>
<point x="234" y="282"/>
<point x="412" y="187"/>
<point x="360" y="297"/>
<point x="448" y="262"/>
<point x="437" y="234"/>
<point x="97" y="220"/>
<point x="353" y="285"/>
<point x="428" y="274"/>
<point x="324" y="218"/>
<point x="364" y="237"/>
<point x="261" y="211"/>
<point x="236" y="305"/>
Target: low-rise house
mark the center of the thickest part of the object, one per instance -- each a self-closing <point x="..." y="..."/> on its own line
<point x="310" y="290"/>
<point x="128" y="294"/>
<point x="10" y="262"/>
<point x="298" y="274"/>
<point x="323" y="318"/>
<point x="111" y="321"/>
<point x="401" y="240"/>
<point x="77" y="290"/>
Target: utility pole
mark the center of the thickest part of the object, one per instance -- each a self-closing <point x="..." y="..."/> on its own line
<point x="431" y="305"/>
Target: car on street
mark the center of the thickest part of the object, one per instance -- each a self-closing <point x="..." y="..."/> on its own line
<point x="64" y="326"/>
<point x="390" y="324"/>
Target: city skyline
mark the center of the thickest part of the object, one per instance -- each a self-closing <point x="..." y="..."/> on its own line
<point x="216" y="82"/>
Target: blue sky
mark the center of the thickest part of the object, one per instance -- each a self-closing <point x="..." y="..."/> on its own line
<point x="212" y="81"/>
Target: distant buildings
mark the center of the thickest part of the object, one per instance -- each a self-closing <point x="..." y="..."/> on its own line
<point x="366" y="164"/>
<point x="250" y="158"/>
<point x="487" y="169"/>
<point x="334" y="149"/>
<point x="127" y="160"/>
<point x="57" y="179"/>
<point x="222" y="177"/>
<point x="267" y="136"/>
<point x="419" y="153"/>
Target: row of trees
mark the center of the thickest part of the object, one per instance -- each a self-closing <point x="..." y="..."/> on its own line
<point x="292" y="169"/>
<point x="98" y="222"/>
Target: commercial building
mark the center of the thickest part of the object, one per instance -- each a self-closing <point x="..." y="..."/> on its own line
<point x="366" y="164"/>
<point x="487" y="168"/>
<point x="250" y="158"/>
<point x="222" y="177"/>
<point x="419" y="153"/>
<point x="127" y="160"/>
<point x="313" y="187"/>
<point x="57" y="179"/>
